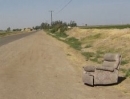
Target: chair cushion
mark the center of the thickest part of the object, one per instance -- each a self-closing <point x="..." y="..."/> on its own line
<point x="112" y="60"/>
<point x="112" y="64"/>
<point x="89" y="68"/>
<point x="111" y="57"/>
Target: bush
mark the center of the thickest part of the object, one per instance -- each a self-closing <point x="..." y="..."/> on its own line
<point x="123" y="62"/>
<point x="64" y="35"/>
<point x="88" y="46"/>
<point x="127" y="73"/>
<point x="88" y="55"/>
<point x="73" y="42"/>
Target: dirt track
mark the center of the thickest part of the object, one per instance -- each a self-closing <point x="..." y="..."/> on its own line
<point x="41" y="67"/>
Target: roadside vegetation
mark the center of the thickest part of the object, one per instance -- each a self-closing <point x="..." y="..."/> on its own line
<point x="106" y="27"/>
<point x="93" y="42"/>
<point x="8" y="31"/>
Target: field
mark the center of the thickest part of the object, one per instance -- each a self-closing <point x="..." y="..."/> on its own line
<point x="93" y="43"/>
<point x="106" y="27"/>
<point x="5" y="33"/>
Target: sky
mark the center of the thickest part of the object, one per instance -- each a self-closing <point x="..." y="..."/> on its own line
<point x="29" y="13"/>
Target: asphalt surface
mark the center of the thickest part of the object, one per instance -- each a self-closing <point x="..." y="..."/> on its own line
<point x="11" y="38"/>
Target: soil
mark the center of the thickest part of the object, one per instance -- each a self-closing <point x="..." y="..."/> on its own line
<point x="40" y="67"/>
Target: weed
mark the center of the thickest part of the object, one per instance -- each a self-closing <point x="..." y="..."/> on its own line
<point x="123" y="62"/>
<point x="96" y="36"/>
<point x="88" y="55"/>
<point x="68" y="54"/>
<point x="88" y="46"/>
<point x="127" y="73"/>
<point x="107" y="27"/>
<point x="64" y="35"/>
<point x="73" y="42"/>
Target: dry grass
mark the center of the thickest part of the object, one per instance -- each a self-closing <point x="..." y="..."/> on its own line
<point x="104" y="40"/>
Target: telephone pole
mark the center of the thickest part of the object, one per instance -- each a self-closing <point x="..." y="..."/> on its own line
<point x="51" y="16"/>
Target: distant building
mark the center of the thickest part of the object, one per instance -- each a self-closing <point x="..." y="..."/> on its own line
<point x="27" y="29"/>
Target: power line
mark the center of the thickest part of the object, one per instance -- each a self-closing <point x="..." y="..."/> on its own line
<point x="65" y="6"/>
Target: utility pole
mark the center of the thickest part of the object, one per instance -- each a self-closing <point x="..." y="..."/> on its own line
<point x="51" y="16"/>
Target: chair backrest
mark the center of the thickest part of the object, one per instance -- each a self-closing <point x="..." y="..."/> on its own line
<point x="112" y="60"/>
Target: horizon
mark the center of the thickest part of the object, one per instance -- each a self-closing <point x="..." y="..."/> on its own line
<point x="31" y="13"/>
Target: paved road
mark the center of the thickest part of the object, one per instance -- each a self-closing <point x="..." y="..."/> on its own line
<point x="8" y="39"/>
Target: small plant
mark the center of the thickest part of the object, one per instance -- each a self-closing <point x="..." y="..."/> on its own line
<point x="96" y="36"/>
<point x="123" y="62"/>
<point x="127" y="73"/>
<point x="64" y="35"/>
<point x="88" y="55"/>
<point x="73" y="42"/>
<point x="88" y="46"/>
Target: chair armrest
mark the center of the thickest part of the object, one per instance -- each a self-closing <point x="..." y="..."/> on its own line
<point x="105" y="68"/>
<point x="89" y="68"/>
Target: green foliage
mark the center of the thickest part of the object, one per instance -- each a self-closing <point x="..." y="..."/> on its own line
<point x="106" y="27"/>
<point x="72" y="24"/>
<point x="73" y="42"/>
<point x="127" y="73"/>
<point x="37" y="27"/>
<point x="88" y="46"/>
<point x="2" y="34"/>
<point x="123" y="62"/>
<point x="64" y="35"/>
<point x="88" y="55"/>
<point x="95" y="57"/>
<point x="45" y="26"/>
<point x="8" y="29"/>
<point x="16" y="29"/>
<point x="96" y="36"/>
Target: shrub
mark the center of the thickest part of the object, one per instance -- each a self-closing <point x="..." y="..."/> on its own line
<point x="88" y="55"/>
<point x="73" y="42"/>
<point x="123" y="62"/>
<point x="88" y="46"/>
<point x="64" y="35"/>
<point x="127" y="73"/>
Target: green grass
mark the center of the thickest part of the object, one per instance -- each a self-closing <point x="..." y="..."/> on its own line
<point x="91" y="39"/>
<point x="4" y="33"/>
<point x="88" y="55"/>
<point x="124" y="62"/>
<point x="95" y="57"/>
<point x="106" y="27"/>
<point x="127" y="72"/>
<point x="96" y="36"/>
<point x="88" y="46"/>
<point x="73" y="42"/>
<point x="63" y="35"/>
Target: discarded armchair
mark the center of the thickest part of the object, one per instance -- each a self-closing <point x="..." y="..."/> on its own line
<point x="105" y="74"/>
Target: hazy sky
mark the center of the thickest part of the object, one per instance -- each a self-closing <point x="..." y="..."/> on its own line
<point x="29" y="13"/>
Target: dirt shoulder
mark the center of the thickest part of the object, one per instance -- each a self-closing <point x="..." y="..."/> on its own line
<point x="41" y="67"/>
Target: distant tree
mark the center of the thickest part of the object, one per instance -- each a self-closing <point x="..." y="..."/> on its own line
<point x="17" y="29"/>
<point x="37" y="27"/>
<point x="72" y="24"/>
<point x="45" y="26"/>
<point x="8" y="29"/>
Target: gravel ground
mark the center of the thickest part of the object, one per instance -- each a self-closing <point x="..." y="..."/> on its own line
<point x="41" y="67"/>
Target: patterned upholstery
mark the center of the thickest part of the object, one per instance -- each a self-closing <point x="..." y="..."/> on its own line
<point x="105" y="74"/>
